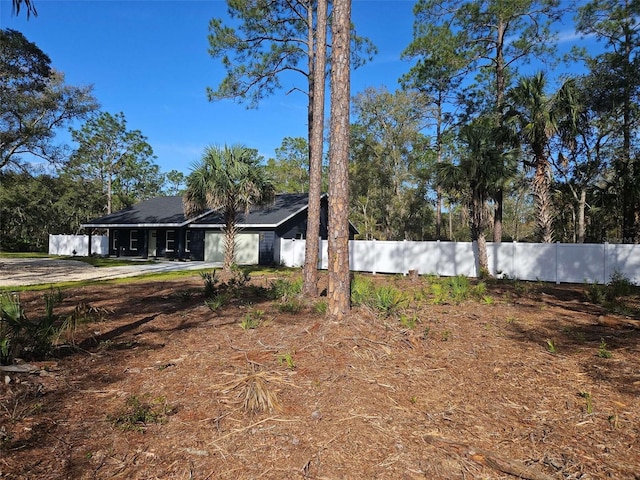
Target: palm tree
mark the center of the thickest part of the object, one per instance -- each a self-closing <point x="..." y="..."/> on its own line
<point x="228" y="179"/>
<point x="482" y="170"/>
<point x="28" y="5"/>
<point x="538" y="117"/>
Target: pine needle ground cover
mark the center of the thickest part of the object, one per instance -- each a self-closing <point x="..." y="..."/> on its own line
<point x="444" y="385"/>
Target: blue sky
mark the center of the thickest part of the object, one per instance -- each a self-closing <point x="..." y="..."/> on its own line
<point x="149" y="60"/>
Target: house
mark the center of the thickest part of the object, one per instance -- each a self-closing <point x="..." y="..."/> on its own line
<point x="159" y="228"/>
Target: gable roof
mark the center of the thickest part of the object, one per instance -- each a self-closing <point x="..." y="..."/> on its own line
<point x="284" y="207"/>
<point x="169" y="212"/>
<point x="155" y="212"/>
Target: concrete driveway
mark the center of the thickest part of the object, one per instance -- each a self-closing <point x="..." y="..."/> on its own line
<point x="34" y="271"/>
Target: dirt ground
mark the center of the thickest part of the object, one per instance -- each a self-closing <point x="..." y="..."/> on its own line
<point x="438" y="391"/>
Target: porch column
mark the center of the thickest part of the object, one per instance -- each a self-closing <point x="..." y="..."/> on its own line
<point x="181" y="234"/>
<point x="145" y="244"/>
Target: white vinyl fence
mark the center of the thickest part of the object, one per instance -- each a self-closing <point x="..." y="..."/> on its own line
<point x="549" y="262"/>
<point x="78" y="245"/>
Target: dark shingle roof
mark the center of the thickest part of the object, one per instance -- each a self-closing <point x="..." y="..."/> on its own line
<point x="284" y="207"/>
<point x="169" y="211"/>
<point x="159" y="211"/>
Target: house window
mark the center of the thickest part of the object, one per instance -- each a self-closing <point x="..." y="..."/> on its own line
<point x="171" y="240"/>
<point x="133" y="240"/>
<point x="187" y="241"/>
<point x="115" y="240"/>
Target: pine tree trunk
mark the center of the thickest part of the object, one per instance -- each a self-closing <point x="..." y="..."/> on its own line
<point x="317" y="85"/>
<point x="339" y="291"/>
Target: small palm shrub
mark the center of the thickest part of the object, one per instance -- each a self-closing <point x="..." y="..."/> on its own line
<point x="284" y="289"/>
<point x="388" y="300"/>
<point x="140" y="411"/>
<point x="293" y="305"/>
<point x="216" y="301"/>
<point x="210" y="281"/>
<point x="459" y="288"/>
<point x="252" y="319"/>
<point x="362" y="289"/>
<point x="11" y="325"/>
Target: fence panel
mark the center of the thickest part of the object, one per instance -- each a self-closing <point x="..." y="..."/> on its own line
<point x="624" y="259"/>
<point x="78" y="245"/>
<point x="535" y="261"/>
<point x="578" y="263"/>
<point x="549" y="262"/>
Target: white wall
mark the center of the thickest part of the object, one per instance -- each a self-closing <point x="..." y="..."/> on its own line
<point x="555" y="262"/>
<point x="66" y="244"/>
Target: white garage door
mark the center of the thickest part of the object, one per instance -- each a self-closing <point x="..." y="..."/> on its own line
<point x="247" y="248"/>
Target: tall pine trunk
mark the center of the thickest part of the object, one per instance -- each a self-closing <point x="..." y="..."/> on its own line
<point x="339" y="290"/>
<point x="317" y="66"/>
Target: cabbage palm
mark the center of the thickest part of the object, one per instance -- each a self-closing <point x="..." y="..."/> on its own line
<point x="230" y="180"/>
<point x="483" y="168"/>
<point x="538" y="117"/>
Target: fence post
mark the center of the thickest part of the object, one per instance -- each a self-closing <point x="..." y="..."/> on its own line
<point x="557" y="256"/>
<point x="604" y="263"/>
<point x="404" y="258"/>
<point x="293" y="252"/>
<point x="375" y="260"/>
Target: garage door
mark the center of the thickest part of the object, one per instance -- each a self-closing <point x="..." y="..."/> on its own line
<point x="247" y="248"/>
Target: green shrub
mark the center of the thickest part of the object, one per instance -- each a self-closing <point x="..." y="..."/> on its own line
<point x="459" y="288"/>
<point x="409" y="321"/>
<point x="603" y="350"/>
<point x="596" y="293"/>
<point x="138" y="412"/>
<point x="619" y="286"/>
<point x="284" y="289"/>
<point x="216" y="301"/>
<point x="362" y="289"/>
<point x="612" y="293"/>
<point x="252" y="319"/>
<point x="209" y="283"/>
<point x="439" y="292"/>
<point x="388" y="299"/>
<point x="321" y="307"/>
<point x="292" y="305"/>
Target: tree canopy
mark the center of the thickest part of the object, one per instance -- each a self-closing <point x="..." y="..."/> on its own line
<point x="34" y="103"/>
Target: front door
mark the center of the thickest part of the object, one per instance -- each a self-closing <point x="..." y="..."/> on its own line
<point x="153" y="242"/>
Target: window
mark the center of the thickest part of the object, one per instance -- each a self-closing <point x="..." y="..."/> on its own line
<point x="171" y="240"/>
<point x="133" y="240"/>
<point x="187" y="241"/>
<point x="115" y="240"/>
